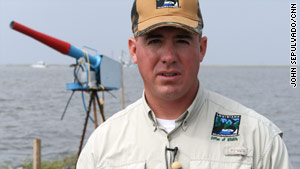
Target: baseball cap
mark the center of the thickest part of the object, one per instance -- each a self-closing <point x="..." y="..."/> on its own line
<point x="147" y="15"/>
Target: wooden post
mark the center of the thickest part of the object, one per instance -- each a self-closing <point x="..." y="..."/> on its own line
<point x="101" y="105"/>
<point x="122" y="90"/>
<point x="36" y="154"/>
<point x="95" y="112"/>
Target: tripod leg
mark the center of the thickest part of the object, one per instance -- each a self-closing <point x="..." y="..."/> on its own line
<point x="92" y="97"/>
<point x="67" y="105"/>
<point x="101" y="108"/>
<point x="95" y="113"/>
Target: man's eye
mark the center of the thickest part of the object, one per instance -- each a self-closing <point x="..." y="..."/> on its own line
<point x="183" y="41"/>
<point x="154" y="41"/>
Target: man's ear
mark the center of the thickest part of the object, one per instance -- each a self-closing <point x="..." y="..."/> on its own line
<point x="203" y="47"/>
<point x="132" y="49"/>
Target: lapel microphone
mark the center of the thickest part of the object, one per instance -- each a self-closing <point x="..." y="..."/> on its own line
<point x="174" y="150"/>
<point x="175" y="164"/>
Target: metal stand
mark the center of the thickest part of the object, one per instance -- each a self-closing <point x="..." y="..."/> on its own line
<point x="93" y="99"/>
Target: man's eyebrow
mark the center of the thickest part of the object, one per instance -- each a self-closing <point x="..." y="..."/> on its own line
<point x="151" y="36"/>
<point x="181" y="36"/>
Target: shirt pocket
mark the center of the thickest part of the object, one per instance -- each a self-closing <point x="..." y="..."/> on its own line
<point x="204" y="164"/>
<point x="137" y="165"/>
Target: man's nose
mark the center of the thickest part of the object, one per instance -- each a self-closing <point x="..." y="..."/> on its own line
<point x="169" y="55"/>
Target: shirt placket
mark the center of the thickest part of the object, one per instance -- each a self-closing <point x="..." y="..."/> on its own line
<point x="180" y="124"/>
<point x="169" y="155"/>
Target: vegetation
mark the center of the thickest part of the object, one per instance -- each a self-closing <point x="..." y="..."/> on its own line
<point x="67" y="163"/>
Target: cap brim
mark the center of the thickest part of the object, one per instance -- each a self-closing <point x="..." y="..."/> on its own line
<point x="161" y="21"/>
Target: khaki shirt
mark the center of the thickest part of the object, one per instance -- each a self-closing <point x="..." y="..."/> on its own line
<point x="214" y="133"/>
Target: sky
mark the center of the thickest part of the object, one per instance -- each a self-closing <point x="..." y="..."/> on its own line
<point x="239" y="32"/>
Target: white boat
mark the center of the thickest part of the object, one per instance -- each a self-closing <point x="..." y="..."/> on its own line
<point x="39" y="64"/>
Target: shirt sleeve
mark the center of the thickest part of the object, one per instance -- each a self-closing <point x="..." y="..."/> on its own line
<point x="86" y="159"/>
<point x="276" y="156"/>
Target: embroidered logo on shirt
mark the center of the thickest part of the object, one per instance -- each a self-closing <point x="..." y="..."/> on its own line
<point x="226" y="125"/>
<point x="167" y="4"/>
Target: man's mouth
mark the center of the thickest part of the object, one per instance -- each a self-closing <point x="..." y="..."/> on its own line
<point x="169" y="74"/>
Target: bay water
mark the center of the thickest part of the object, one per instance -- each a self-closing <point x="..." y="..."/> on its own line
<point x="33" y="100"/>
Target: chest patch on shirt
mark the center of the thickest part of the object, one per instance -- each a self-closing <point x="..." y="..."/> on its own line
<point x="226" y="125"/>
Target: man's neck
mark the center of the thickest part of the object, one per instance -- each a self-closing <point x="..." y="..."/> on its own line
<point x="170" y="109"/>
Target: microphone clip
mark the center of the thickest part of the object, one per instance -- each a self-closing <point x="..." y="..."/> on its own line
<point x="175" y="149"/>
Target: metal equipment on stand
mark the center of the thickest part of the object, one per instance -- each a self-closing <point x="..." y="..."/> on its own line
<point x="92" y="74"/>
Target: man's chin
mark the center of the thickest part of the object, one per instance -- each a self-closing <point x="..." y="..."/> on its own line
<point x="170" y="93"/>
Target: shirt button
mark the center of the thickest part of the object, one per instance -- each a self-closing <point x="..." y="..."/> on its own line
<point x="168" y="137"/>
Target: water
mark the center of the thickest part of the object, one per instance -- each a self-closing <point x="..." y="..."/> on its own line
<point x="32" y="102"/>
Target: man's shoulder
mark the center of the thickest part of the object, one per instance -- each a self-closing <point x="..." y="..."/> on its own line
<point x="225" y="102"/>
<point x="124" y="116"/>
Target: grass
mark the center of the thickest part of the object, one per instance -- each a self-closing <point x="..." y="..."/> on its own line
<point x="66" y="163"/>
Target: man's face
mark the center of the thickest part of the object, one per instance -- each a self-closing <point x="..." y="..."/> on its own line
<point x="168" y="60"/>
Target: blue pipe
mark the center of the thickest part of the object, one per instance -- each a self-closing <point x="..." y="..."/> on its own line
<point x="78" y="53"/>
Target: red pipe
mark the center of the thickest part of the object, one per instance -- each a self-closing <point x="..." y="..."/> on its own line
<point x="54" y="43"/>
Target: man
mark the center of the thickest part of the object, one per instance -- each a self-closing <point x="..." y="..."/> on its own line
<point x="177" y="123"/>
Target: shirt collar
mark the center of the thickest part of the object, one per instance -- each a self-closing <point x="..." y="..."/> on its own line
<point x="183" y="120"/>
<point x="194" y="108"/>
<point x="149" y="113"/>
